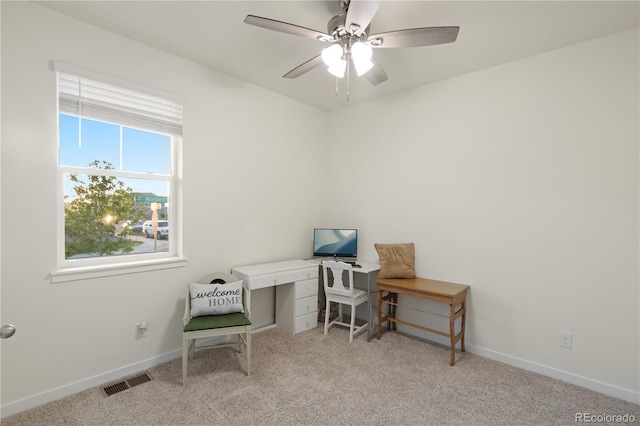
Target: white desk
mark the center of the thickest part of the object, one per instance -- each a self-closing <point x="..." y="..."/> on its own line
<point x="296" y="283"/>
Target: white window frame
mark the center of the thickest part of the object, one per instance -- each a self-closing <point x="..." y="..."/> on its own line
<point x="80" y="269"/>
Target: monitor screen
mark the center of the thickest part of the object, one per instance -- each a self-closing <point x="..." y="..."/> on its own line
<point x="335" y="242"/>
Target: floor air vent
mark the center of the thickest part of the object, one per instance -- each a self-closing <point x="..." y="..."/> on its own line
<point x="126" y="383"/>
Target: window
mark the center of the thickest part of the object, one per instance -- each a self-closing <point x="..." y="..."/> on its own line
<point x="117" y="174"/>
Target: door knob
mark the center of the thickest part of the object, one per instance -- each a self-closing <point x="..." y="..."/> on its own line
<point x="7" y="331"/>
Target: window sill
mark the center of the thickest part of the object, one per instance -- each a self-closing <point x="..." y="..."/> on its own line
<point x="89" y="272"/>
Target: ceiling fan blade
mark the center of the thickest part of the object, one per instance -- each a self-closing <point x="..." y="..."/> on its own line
<point x="415" y="37"/>
<point x="305" y="67"/>
<point x="360" y="13"/>
<point x="376" y="74"/>
<point x="284" y="27"/>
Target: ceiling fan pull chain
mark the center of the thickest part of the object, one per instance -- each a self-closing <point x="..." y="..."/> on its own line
<point x="348" y="72"/>
<point x="336" y="86"/>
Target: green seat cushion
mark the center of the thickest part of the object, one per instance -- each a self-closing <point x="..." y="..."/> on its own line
<point x="217" y="321"/>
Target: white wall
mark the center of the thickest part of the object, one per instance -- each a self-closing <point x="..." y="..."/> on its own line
<point x="250" y="166"/>
<point x="521" y="181"/>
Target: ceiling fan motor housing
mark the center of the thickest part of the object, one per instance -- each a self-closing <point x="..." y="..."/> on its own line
<point x="336" y="28"/>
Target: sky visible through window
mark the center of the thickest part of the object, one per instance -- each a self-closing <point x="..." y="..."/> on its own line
<point x="84" y="140"/>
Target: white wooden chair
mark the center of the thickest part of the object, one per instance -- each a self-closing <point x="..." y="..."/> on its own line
<point x="233" y="324"/>
<point x="342" y="295"/>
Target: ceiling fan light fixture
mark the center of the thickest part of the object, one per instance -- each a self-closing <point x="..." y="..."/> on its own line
<point x="361" y="56"/>
<point x="332" y="55"/>
<point x="362" y="67"/>
<point x="338" y="68"/>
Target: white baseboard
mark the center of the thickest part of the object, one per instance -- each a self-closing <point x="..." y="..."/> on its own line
<point x="83" y="385"/>
<point x="80" y="386"/>
<point x="95" y="381"/>
<point x="574" y="379"/>
<point x="263" y="328"/>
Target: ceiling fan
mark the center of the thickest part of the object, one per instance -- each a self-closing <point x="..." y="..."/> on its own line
<point x="350" y="41"/>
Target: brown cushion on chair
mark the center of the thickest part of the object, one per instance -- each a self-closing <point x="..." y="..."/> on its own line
<point x="396" y="260"/>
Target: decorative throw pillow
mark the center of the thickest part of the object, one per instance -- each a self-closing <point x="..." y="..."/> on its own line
<point x="396" y="260"/>
<point x="215" y="299"/>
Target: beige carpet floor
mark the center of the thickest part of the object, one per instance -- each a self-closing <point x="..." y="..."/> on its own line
<point x="312" y="379"/>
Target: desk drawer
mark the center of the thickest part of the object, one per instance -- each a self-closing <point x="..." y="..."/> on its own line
<point x="307" y="274"/>
<point x="270" y="280"/>
<point x="308" y="305"/>
<point x="306" y="288"/>
<point x="306" y="322"/>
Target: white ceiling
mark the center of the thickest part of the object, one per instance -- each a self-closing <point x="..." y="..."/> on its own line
<point x="213" y="33"/>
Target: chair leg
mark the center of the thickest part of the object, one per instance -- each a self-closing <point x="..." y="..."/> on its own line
<point x="353" y="323"/>
<point x="326" y="316"/>
<point x="192" y="348"/>
<point x="185" y="357"/>
<point x="248" y="340"/>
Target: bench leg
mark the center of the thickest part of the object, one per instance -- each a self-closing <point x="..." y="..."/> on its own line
<point x="392" y="301"/>
<point x="464" y="317"/>
<point x="452" y="334"/>
<point x="393" y="309"/>
<point x="379" y="314"/>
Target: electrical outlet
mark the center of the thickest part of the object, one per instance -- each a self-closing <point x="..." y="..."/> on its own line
<point x="142" y="329"/>
<point x="566" y="340"/>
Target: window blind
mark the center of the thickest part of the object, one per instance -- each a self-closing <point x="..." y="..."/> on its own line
<point x="101" y="101"/>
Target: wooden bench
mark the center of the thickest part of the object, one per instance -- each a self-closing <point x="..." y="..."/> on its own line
<point x="440" y="291"/>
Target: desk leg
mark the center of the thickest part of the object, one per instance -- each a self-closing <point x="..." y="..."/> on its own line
<point x="369" y="325"/>
<point x="379" y="314"/>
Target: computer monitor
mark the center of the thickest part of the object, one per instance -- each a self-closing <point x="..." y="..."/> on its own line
<point x="331" y="242"/>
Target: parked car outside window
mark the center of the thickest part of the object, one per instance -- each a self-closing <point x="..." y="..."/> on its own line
<point x="163" y="230"/>
<point x="136" y="228"/>
<point x="147" y="226"/>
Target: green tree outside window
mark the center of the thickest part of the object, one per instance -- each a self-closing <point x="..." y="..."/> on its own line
<point x="100" y="203"/>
